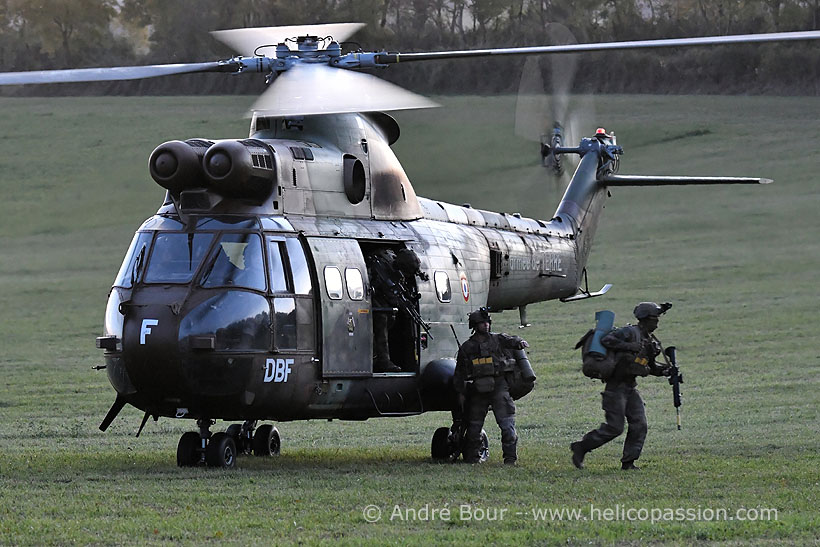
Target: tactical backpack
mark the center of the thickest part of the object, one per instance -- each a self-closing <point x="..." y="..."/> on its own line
<point x="598" y="362"/>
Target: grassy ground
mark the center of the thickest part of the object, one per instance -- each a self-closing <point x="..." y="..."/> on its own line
<point x="739" y="263"/>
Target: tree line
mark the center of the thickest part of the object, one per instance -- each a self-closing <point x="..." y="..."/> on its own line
<point x="54" y="34"/>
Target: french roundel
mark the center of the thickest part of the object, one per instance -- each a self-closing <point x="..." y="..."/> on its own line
<point x="465" y="287"/>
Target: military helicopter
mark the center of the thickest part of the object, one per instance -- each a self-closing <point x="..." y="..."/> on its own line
<point x="248" y="296"/>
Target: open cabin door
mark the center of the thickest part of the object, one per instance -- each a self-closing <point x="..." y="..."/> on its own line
<point x="347" y="330"/>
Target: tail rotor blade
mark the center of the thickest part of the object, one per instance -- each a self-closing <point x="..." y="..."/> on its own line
<point x="563" y="71"/>
<point x="531" y="108"/>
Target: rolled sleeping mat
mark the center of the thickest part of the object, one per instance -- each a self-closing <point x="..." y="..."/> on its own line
<point x="524" y="378"/>
<point x="523" y="363"/>
<point x="604" y="321"/>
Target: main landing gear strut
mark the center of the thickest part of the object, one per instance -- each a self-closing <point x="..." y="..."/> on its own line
<point x="221" y="449"/>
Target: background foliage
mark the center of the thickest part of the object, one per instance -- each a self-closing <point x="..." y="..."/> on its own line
<point x="45" y="34"/>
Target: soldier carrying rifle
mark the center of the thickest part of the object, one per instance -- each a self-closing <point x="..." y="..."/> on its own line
<point x="392" y="275"/>
<point x="635" y="350"/>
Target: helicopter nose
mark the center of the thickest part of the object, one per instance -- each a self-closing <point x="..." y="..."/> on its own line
<point x="151" y="352"/>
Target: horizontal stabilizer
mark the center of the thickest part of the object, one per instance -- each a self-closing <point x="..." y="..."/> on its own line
<point x="651" y="180"/>
<point x="583" y="294"/>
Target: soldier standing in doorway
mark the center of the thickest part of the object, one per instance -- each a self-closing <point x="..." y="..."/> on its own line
<point x="635" y="350"/>
<point x="483" y="373"/>
<point x="392" y="275"/>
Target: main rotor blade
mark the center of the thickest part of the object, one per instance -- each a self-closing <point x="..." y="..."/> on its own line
<point x="388" y="58"/>
<point x="651" y="180"/>
<point x="311" y="89"/>
<point x="245" y="41"/>
<point x="108" y="74"/>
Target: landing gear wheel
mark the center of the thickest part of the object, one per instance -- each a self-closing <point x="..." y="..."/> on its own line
<point x="234" y="431"/>
<point x="188" y="454"/>
<point x="444" y="448"/>
<point x="266" y="441"/>
<point x="484" y="451"/>
<point x="221" y="452"/>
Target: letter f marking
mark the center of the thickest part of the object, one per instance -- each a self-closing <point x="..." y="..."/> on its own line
<point x="146" y="329"/>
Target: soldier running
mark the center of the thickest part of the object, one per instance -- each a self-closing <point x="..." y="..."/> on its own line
<point x="635" y="351"/>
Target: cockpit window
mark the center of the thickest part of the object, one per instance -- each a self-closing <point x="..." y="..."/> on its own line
<point x="137" y="252"/>
<point x="176" y="256"/>
<point x="236" y="320"/>
<point x="237" y="262"/>
<point x="278" y="279"/>
<point x="299" y="267"/>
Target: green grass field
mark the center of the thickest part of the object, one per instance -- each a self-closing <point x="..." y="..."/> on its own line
<point x="739" y="263"/>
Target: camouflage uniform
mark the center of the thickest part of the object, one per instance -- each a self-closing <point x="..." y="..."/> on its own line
<point x="635" y="352"/>
<point x="482" y="369"/>
<point x="399" y="267"/>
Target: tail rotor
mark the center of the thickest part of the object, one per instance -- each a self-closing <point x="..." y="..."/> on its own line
<point x="559" y="118"/>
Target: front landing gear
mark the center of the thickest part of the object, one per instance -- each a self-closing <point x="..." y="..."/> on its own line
<point x="449" y="442"/>
<point x="220" y="450"/>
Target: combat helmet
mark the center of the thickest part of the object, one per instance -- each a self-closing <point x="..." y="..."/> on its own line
<point x="650" y="309"/>
<point x="407" y="261"/>
<point x="480" y="315"/>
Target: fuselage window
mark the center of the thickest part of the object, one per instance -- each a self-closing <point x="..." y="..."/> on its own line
<point x="355" y="283"/>
<point x="176" y="257"/>
<point x="278" y="280"/>
<point x="442" y="281"/>
<point x="284" y="323"/>
<point x="237" y="262"/>
<point x="298" y="266"/>
<point x="333" y="282"/>
<point x="138" y="251"/>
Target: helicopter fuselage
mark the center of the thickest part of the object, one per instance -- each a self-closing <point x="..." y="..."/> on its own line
<point x="236" y="307"/>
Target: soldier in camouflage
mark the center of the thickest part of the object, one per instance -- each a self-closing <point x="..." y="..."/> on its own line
<point x="398" y="270"/>
<point x="482" y="377"/>
<point x="635" y="351"/>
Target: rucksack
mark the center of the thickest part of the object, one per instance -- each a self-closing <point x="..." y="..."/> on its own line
<point x="598" y="362"/>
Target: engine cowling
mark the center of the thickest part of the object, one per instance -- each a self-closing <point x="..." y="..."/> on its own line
<point x="240" y="168"/>
<point x="177" y="165"/>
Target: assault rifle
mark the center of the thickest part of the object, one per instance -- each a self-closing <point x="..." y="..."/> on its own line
<point x="675" y="379"/>
<point x="396" y="291"/>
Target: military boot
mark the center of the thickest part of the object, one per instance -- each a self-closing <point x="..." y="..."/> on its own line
<point x="578" y="453"/>
<point x="629" y="466"/>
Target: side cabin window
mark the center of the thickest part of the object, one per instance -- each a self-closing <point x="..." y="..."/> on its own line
<point x="237" y="262"/>
<point x="176" y="256"/>
<point x="442" y="281"/>
<point x="355" y="283"/>
<point x="333" y="282"/>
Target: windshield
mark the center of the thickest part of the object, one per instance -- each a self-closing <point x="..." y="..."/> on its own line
<point x="176" y="256"/>
<point x="237" y="262"/>
<point x="129" y="271"/>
